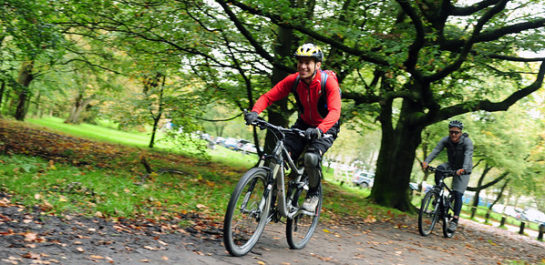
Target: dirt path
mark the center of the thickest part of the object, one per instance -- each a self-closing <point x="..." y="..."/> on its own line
<point x="36" y="239"/>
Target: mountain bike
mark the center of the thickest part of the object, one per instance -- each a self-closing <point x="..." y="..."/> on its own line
<point x="268" y="193"/>
<point x="437" y="204"/>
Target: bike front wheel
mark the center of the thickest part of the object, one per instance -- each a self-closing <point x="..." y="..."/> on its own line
<point x="429" y="213"/>
<point x="246" y="214"/>
<point x="300" y="228"/>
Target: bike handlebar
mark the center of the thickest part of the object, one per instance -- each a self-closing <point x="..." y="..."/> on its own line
<point x="262" y="124"/>
<point x="446" y="172"/>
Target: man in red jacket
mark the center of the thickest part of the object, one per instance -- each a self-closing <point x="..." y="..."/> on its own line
<point x="319" y="113"/>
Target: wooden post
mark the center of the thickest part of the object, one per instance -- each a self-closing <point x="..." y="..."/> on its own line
<point x="521" y="231"/>
<point x="541" y="231"/>
<point x="502" y="222"/>
<point x="473" y="211"/>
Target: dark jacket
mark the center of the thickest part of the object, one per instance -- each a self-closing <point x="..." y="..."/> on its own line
<point x="460" y="155"/>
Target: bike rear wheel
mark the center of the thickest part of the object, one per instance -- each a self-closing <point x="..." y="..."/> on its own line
<point x="246" y="214"/>
<point x="429" y="213"/>
<point x="447" y="218"/>
<point x="301" y="227"/>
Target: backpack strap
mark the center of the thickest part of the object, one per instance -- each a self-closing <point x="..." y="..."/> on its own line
<point x="324" y="81"/>
<point x="294" y="91"/>
<point x="295" y="84"/>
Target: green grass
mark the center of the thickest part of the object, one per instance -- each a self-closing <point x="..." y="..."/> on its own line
<point x="106" y="132"/>
<point x="96" y="132"/>
<point x="60" y="189"/>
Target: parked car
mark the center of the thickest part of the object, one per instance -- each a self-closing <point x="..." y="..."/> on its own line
<point x="363" y="179"/>
<point x="425" y="186"/>
<point x="249" y="148"/>
<point x="512" y="211"/>
<point x="231" y="143"/>
<point x="532" y="215"/>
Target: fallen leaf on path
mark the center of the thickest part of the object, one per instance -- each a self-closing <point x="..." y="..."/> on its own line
<point x="30" y="255"/>
<point x="370" y="219"/>
<point x="150" y="248"/>
<point x="30" y="237"/>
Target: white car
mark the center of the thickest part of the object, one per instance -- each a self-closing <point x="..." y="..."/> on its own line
<point x="512" y="211"/>
<point x="533" y="215"/>
<point x="249" y="148"/>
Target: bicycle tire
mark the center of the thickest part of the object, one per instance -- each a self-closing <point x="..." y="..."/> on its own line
<point x="249" y="203"/>
<point x="447" y="218"/>
<point x="301" y="227"/>
<point x="429" y="213"/>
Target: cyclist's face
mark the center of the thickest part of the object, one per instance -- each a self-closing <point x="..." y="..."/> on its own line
<point x="306" y="67"/>
<point x="454" y="133"/>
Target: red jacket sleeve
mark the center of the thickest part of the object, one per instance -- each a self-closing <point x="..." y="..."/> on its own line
<point x="281" y="90"/>
<point x="333" y="105"/>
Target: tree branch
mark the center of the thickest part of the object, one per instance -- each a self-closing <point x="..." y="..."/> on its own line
<point x="364" y="55"/>
<point x="491" y="35"/>
<point x="469" y="10"/>
<point x="498" y="179"/>
<point x="468" y="44"/>
<point x="486" y="105"/>
<point x="418" y="43"/>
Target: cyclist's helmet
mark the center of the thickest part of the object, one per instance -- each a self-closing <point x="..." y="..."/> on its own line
<point x="456" y="123"/>
<point x="309" y="50"/>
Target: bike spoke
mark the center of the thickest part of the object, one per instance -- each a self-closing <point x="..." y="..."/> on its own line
<point x="300" y="228"/>
<point x="244" y="220"/>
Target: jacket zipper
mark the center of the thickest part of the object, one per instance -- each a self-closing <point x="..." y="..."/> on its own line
<point x="308" y="103"/>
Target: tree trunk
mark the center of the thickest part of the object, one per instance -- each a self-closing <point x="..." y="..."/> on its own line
<point x="498" y="198"/>
<point x="478" y="189"/>
<point x="481" y="187"/>
<point x="278" y="112"/>
<point x="37" y="104"/>
<point x="25" y="77"/>
<point x="396" y="158"/>
<point x="157" y="117"/>
<point x="155" y="125"/>
<point x="2" y="89"/>
<point x="78" y="108"/>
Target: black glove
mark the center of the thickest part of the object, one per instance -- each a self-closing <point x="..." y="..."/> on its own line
<point x="250" y="117"/>
<point x="313" y="133"/>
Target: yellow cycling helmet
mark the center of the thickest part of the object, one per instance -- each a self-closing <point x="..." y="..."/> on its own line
<point x="309" y="50"/>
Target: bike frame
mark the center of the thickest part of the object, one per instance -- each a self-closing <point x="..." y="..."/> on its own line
<point x="443" y="206"/>
<point x="279" y="157"/>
